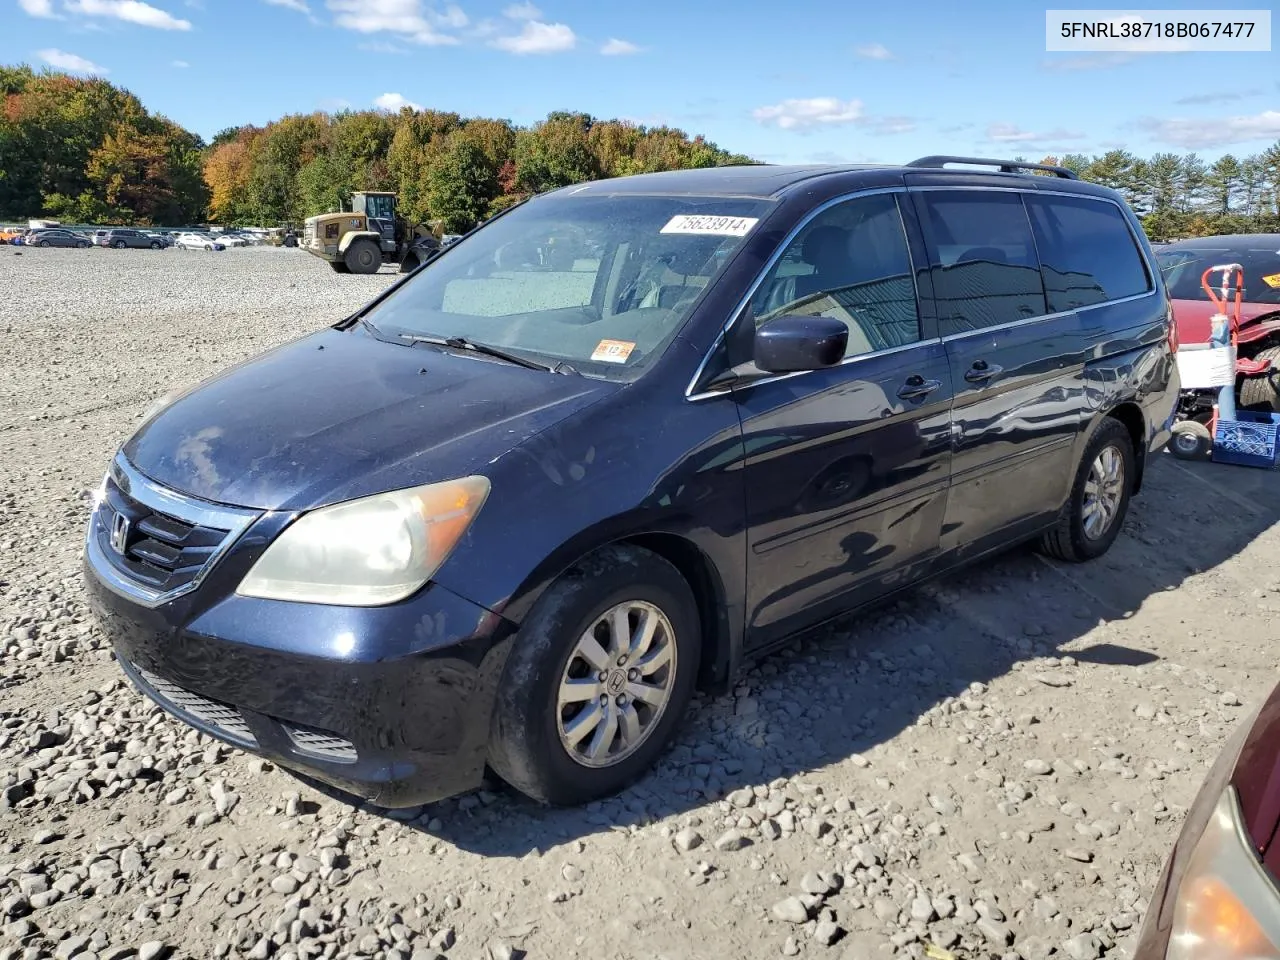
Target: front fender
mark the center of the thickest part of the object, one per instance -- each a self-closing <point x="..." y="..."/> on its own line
<point x="354" y="235"/>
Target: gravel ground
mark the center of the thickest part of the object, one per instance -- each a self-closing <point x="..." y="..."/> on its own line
<point x="995" y="766"/>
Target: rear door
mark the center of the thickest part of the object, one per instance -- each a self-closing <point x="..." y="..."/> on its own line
<point x="846" y="467"/>
<point x="1017" y="367"/>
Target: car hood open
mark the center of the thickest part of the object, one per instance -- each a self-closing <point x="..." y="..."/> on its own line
<point x="340" y="415"/>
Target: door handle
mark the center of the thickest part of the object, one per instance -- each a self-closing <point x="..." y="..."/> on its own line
<point x="981" y="371"/>
<point x="917" y="387"/>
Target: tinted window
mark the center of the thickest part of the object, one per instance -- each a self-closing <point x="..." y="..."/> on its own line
<point x="1184" y="266"/>
<point x="851" y="263"/>
<point x="984" y="259"/>
<point x="1087" y="252"/>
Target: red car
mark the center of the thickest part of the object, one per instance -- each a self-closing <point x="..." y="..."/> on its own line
<point x="1219" y="895"/>
<point x="1183" y="263"/>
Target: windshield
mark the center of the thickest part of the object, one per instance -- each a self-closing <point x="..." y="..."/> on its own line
<point x="600" y="282"/>
<point x="1184" y="266"/>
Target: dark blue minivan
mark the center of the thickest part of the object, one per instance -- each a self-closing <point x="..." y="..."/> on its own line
<point x="627" y="434"/>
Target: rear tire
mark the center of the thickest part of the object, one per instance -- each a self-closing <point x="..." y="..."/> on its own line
<point x="363" y="256"/>
<point x="551" y="690"/>
<point x="1191" y="440"/>
<point x="1095" y="510"/>
<point x="1262" y="393"/>
<point x="44" y="243"/>
<point x="82" y="246"/>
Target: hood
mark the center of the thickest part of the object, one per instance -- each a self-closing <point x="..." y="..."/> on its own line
<point x="1192" y="317"/>
<point x="340" y="415"/>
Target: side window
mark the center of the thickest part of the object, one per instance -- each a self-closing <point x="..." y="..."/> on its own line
<point x="850" y="262"/>
<point x="330" y="231"/>
<point x="983" y="258"/>
<point x="1087" y="252"/>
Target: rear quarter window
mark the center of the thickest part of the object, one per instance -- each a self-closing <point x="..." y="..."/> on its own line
<point x="1088" y="253"/>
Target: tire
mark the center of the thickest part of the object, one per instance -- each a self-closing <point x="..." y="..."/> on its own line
<point x="208" y="247"/>
<point x="1191" y="440"/>
<point x="1072" y="539"/>
<point x="1263" y="392"/>
<point x="44" y="243"/>
<point x="82" y="246"/>
<point x="527" y="745"/>
<point x="155" y="246"/>
<point x="119" y="244"/>
<point x="338" y="266"/>
<point x="363" y="256"/>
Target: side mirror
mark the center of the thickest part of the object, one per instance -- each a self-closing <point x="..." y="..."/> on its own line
<point x="789" y="344"/>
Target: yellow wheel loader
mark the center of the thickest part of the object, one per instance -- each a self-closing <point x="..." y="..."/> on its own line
<point x="362" y="239"/>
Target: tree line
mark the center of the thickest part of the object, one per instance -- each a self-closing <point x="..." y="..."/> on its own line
<point x="87" y="151"/>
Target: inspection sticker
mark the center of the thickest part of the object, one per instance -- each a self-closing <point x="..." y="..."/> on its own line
<point x="1272" y="280"/>
<point x="717" y="226"/>
<point x="613" y="351"/>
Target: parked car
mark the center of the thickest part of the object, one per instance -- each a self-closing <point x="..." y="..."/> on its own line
<point x="1219" y="892"/>
<point x="1185" y="262"/>
<point x="231" y="240"/>
<point x="197" y="241"/>
<point x="55" y="238"/>
<point x="617" y="441"/>
<point x="122" y="238"/>
<point x="163" y="239"/>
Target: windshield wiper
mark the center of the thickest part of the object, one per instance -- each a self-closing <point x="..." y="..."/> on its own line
<point x="462" y="343"/>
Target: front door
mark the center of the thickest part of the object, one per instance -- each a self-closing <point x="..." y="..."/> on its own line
<point x="847" y="467"/>
<point x="1017" y="367"/>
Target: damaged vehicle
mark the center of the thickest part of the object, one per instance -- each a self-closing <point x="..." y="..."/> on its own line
<point x="623" y="437"/>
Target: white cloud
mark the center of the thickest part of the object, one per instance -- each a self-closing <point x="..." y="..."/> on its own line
<point x="1091" y="61"/>
<point x="874" y="51"/>
<point x="130" y="11"/>
<point x="395" y="103"/>
<point x="407" y="18"/>
<point x="538" y="37"/>
<point x="809" y="114"/>
<point x="180" y="64"/>
<point x="1012" y="133"/>
<point x="70" y="62"/>
<point x="299" y="5"/>
<point x="1199" y="134"/>
<point x="522" y="11"/>
<point x="619" y="48"/>
<point x="38" y="8"/>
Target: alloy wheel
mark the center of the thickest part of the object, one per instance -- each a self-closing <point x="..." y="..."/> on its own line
<point x="1103" y="492"/>
<point x="617" y="684"/>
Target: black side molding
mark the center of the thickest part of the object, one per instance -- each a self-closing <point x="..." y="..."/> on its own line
<point x="1006" y="166"/>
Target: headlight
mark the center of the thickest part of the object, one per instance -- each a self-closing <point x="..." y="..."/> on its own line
<point x="1228" y="908"/>
<point x="367" y="552"/>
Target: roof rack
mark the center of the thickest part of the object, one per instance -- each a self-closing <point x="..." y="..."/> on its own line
<point x="1006" y="166"/>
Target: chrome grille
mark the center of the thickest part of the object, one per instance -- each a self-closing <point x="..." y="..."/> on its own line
<point x="223" y="717"/>
<point x="321" y="743"/>
<point x="154" y="544"/>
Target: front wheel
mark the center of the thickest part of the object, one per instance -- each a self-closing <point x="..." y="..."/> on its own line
<point x="44" y="243"/>
<point x="1191" y="440"/>
<point x="1094" y="513"/>
<point x="598" y="679"/>
<point x="363" y="256"/>
<point x="155" y="246"/>
<point x="119" y="244"/>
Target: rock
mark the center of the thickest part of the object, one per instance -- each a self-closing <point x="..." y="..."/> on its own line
<point x="285" y="884"/>
<point x="742" y="798"/>
<point x="571" y="873"/>
<point x="153" y="950"/>
<point x="1083" y="947"/>
<point x="444" y="939"/>
<point x="790" y="948"/>
<point x="687" y="839"/>
<point x="791" y="910"/>
<point x="1077" y="853"/>
<point x="922" y="909"/>
<point x="819" y="884"/>
<point x="1229" y="699"/>
<point x="827" y="932"/>
<point x="501" y="951"/>
<point x="995" y="932"/>
<point x="731" y="840"/>
<point x="1038" y="768"/>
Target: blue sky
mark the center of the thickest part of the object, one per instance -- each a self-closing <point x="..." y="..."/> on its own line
<point x="801" y="81"/>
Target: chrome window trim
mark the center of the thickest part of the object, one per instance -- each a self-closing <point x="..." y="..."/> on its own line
<point x="737" y="311"/>
<point x="235" y="520"/>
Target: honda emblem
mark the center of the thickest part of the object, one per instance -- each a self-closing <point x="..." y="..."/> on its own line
<point x="119" y="533"/>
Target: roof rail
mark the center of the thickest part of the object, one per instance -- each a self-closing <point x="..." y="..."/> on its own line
<point x="1006" y="166"/>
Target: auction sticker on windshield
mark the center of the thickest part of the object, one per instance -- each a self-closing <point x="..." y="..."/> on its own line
<point x="1272" y="280"/>
<point x="613" y="351"/>
<point x="705" y="224"/>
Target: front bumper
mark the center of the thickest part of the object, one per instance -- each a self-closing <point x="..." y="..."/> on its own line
<point x="391" y="704"/>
